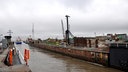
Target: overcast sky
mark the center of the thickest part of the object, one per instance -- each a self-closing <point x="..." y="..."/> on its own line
<point x="86" y="17"/>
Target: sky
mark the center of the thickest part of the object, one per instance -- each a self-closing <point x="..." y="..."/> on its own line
<point x="87" y="17"/>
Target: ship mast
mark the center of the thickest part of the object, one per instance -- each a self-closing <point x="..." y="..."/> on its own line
<point x="32" y="30"/>
<point x="10" y="32"/>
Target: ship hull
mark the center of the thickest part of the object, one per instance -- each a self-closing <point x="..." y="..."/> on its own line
<point x="18" y="42"/>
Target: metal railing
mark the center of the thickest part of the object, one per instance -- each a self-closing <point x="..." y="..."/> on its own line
<point x="20" y="56"/>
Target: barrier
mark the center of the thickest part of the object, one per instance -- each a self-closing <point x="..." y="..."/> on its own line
<point x="21" y="57"/>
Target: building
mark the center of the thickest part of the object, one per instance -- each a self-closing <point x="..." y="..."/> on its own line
<point x="121" y="36"/>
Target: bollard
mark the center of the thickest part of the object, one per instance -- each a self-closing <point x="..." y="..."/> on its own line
<point x="10" y="57"/>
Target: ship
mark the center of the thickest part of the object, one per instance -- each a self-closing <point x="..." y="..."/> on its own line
<point x="18" y="41"/>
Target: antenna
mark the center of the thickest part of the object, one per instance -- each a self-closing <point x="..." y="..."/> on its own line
<point x="62" y="28"/>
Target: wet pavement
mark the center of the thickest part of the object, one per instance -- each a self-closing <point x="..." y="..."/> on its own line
<point x="45" y="61"/>
<point x="16" y="60"/>
<point x="16" y="67"/>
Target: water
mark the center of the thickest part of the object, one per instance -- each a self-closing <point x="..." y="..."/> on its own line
<point x="45" y="61"/>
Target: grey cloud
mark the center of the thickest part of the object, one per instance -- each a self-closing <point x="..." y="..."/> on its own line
<point x="27" y="12"/>
<point x="79" y="4"/>
<point x="104" y="27"/>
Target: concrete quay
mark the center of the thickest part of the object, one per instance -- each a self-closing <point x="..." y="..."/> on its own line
<point x="16" y="67"/>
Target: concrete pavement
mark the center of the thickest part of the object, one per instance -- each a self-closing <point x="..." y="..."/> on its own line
<point x="17" y="66"/>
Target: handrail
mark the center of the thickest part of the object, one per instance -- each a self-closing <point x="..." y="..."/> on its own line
<point x="20" y="56"/>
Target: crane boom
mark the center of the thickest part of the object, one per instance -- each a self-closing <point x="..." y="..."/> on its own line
<point x="62" y="28"/>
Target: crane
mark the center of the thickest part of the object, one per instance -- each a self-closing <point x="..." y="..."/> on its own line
<point x="62" y="28"/>
<point x="68" y="31"/>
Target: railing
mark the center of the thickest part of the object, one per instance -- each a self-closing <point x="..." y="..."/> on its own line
<point x="118" y="45"/>
<point x="20" y="56"/>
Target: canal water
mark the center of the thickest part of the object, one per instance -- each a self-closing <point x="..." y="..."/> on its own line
<point x="46" y="61"/>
